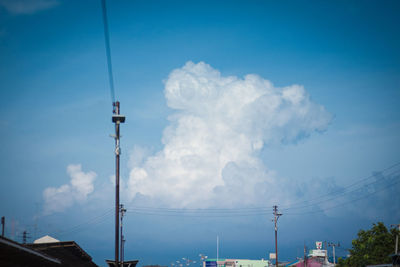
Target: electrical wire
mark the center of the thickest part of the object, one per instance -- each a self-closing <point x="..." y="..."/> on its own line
<point x="90" y="222"/>
<point x="337" y="194"/>
<point x="108" y="51"/>
<point x="347" y="202"/>
<point x="197" y="212"/>
<point x="263" y="210"/>
<point x="251" y="211"/>
<point x="220" y="212"/>
<point x="100" y="218"/>
<point x="204" y="215"/>
<point x="339" y="191"/>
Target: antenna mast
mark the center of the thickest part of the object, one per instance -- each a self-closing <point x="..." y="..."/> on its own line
<point x="117" y="119"/>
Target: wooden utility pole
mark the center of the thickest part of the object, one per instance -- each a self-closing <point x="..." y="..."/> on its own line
<point x="276" y="217"/>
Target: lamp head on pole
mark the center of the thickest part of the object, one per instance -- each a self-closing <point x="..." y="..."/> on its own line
<point x="117" y="118"/>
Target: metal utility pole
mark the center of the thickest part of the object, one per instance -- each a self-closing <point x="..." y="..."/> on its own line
<point x="3" y="222"/>
<point x="333" y="245"/>
<point x="305" y="255"/>
<point x="397" y="238"/>
<point x="117" y="119"/>
<point x="122" y="210"/>
<point x="276" y="217"/>
<point x="326" y="254"/>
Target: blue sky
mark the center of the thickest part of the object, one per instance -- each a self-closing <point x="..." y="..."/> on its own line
<point x="341" y="56"/>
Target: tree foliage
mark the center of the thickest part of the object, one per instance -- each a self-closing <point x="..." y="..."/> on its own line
<point x="371" y="247"/>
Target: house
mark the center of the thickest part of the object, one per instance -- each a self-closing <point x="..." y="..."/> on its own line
<point x="316" y="258"/>
<point x="45" y="251"/>
<point x="15" y="254"/>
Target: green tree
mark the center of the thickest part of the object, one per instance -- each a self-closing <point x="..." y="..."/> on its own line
<point x="371" y="247"/>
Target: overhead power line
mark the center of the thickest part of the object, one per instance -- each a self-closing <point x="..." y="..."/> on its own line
<point x="327" y="197"/>
<point x="90" y="222"/>
<point x="319" y="198"/>
<point x="339" y="193"/>
<point x="380" y="185"/>
<point x="193" y="214"/>
<point x="108" y="51"/>
<point x="351" y="200"/>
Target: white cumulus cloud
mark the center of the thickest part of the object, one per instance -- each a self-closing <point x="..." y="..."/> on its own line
<point x="80" y="186"/>
<point x="212" y="143"/>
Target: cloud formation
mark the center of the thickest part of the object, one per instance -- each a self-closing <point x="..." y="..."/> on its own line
<point x="80" y="186"/>
<point x="19" y="7"/>
<point x="212" y="143"/>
